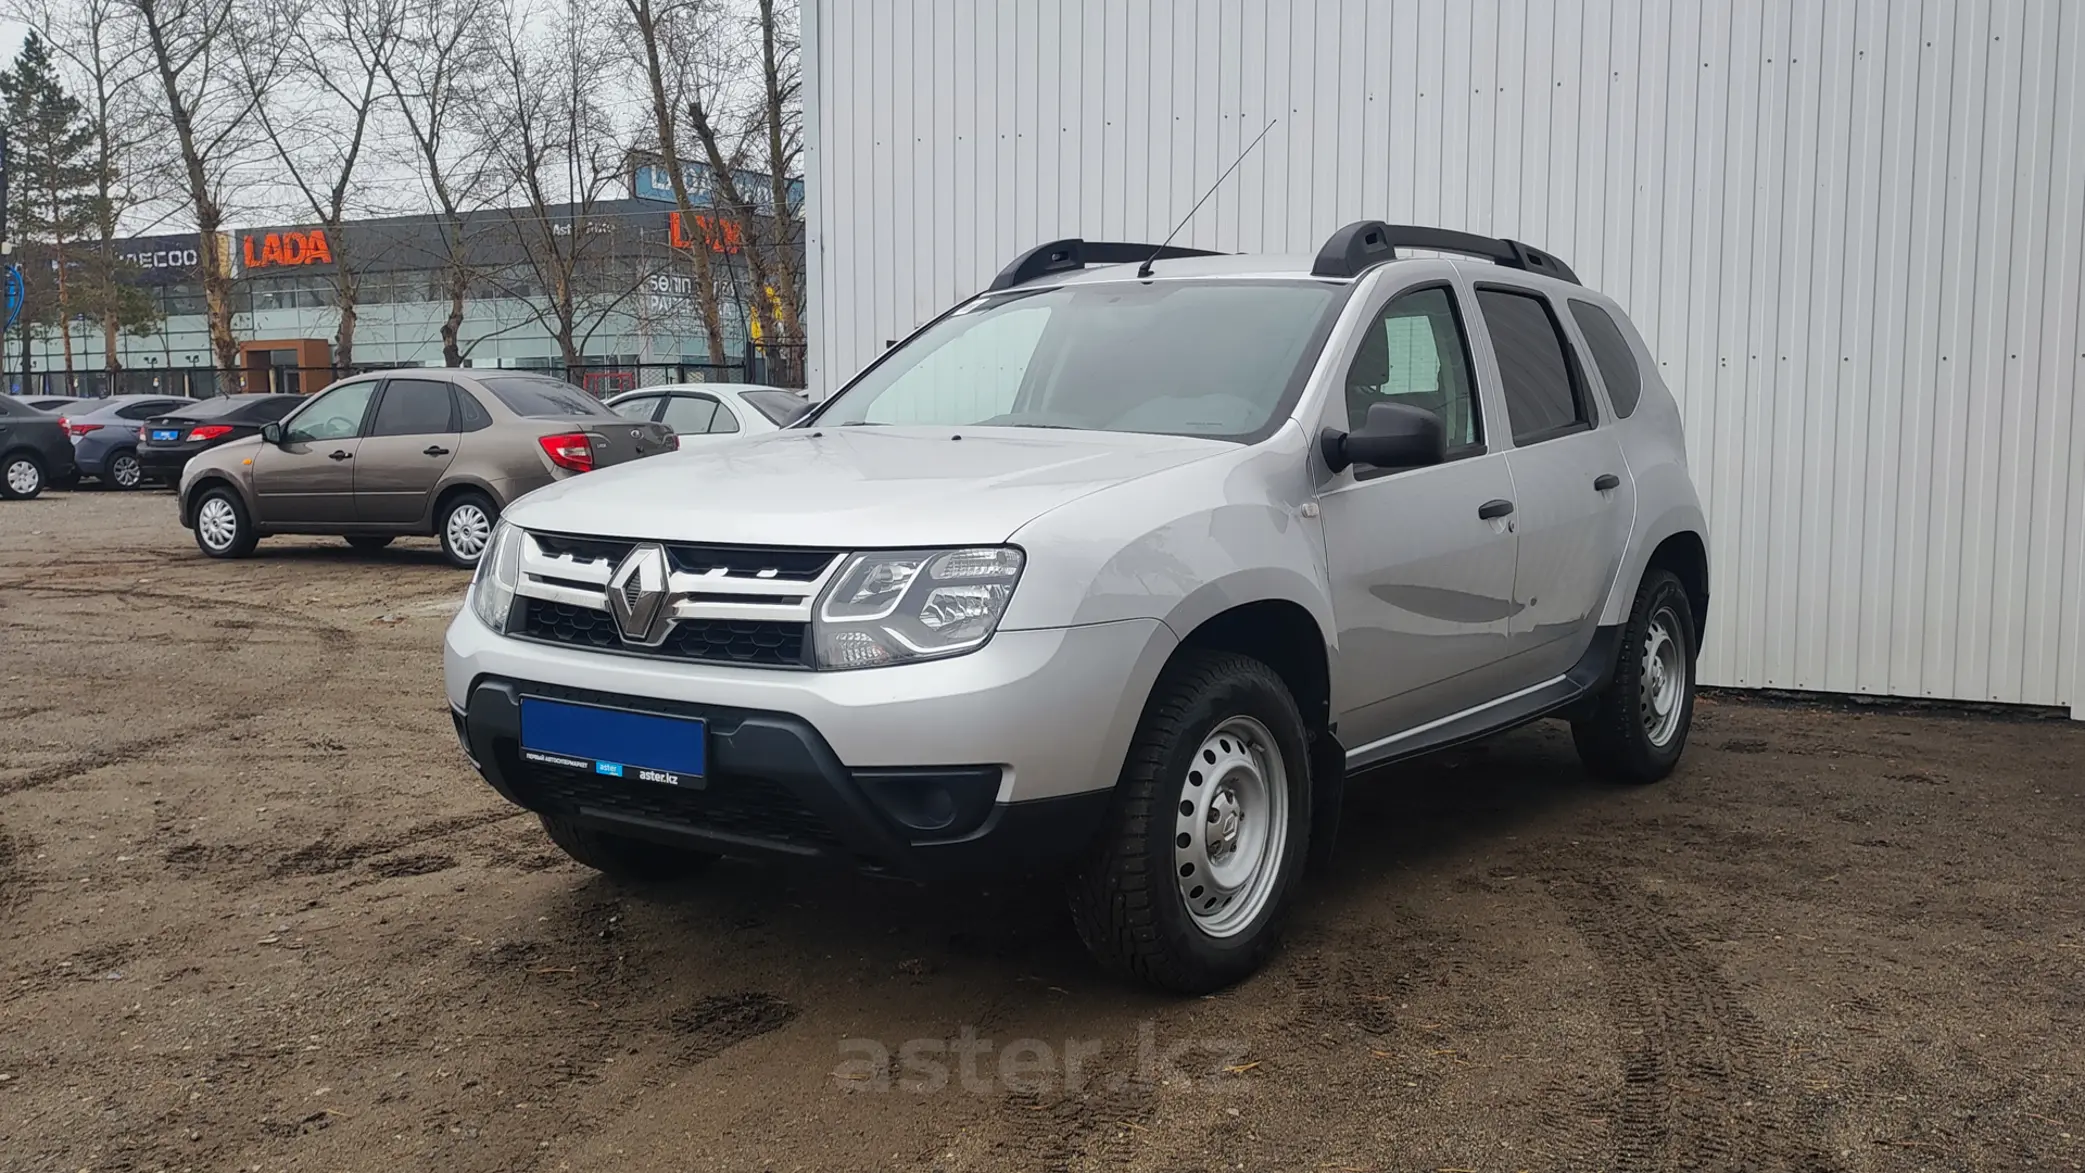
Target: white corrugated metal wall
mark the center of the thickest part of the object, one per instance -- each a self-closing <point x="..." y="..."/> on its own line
<point x="1852" y="230"/>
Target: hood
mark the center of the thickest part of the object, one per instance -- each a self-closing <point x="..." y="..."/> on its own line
<point x="855" y="488"/>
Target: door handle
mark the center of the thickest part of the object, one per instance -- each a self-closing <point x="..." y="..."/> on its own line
<point x="434" y="450"/>
<point x="338" y="454"/>
<point x="1606" y="481"/>
<point x="1493" y="510"/>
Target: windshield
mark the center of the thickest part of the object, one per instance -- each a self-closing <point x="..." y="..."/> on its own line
<point x="536" y="397"/>
<point x="1189" y="358"/>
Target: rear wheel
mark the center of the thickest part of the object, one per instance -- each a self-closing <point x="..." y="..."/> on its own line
<point x="21" y="476"/>
<point x="1208" y="831"/>
<point x="465" y="526"/>
<point x="621" y="857"/>
<point x="124" y="471"/>
<point x="1637" y="727"/>
<point x="222" y="527"/>
<point x="369" y="542"/>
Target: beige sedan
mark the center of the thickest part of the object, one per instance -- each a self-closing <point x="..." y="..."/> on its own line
<point x="417" y="451"/>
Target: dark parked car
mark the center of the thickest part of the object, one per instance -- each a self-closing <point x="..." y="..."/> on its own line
<point x="166" y="442"/>
<point x="105" y="435"/>
<point x="34" y="451"/>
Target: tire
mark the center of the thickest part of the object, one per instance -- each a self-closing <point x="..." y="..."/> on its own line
<point x="1131" y="896"/>
<point x="223" y="528"/>
<point x="464" y="518"/>
<point x="123" y="470"/>
<point x="1637" y="726"/>
<point x="21" y="476"/>
<point x="368" y="543"/>
<point x="620" y="857"/>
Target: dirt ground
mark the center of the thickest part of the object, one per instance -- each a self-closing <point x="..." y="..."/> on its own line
<point x="256" y="913"/>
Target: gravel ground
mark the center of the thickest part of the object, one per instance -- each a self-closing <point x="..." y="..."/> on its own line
<point x="256" y="913"/>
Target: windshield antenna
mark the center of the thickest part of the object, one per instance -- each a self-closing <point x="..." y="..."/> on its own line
<point x="1144" y="270"/>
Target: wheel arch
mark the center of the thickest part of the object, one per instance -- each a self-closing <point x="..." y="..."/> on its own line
<point x="1687" y="557"/>
<point x="1283" y="635"/>
<point x="203" y="484"/>
<point x="453" y="489"/>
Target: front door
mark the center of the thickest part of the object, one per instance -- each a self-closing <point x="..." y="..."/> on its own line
<point x="1421" y="560"/>
<point x="309" y="478"/>
<point x="1576" y="496"/>
<point x="412" y="439"/>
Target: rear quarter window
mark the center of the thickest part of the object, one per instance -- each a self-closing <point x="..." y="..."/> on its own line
<point x="780" y="407"/>
<point x="539" y="398"/>
<point x="1611" y="353"/>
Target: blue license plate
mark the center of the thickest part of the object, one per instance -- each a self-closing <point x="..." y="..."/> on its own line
<point x="641" y="747"/>
<point x="166" y="433"/>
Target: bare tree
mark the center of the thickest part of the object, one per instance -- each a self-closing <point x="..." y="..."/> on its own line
<point x="443" y="53"/>
<point x="782" y="112"/>
<point x="667" y="33"/>
<point x="207" y="103"/>
<point x="113" y="85"/>
<point x="545" y="123"/>
<point x="316" y="112"/>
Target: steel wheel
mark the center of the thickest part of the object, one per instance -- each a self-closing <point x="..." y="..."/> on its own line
<point x="1231" y="827"/>
<point x="1662" y="688"/>
<point x="124" y="470"/>
<point x="217" y="524"/>
<point x="467" y="530"/>
<point x="24" y="478"/>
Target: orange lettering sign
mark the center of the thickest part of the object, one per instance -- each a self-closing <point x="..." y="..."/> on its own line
<point x="288" y="248"/>
<point x="720" y="240"/>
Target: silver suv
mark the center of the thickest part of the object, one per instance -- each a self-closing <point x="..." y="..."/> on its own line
<point x="1117" y="569"/>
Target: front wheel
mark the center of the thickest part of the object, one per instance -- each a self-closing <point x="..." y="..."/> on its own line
<point x="22" y="478"/>
<point x="222" y="527"/>
<point x="124" y="471"/>
<point x="1637" y="727"/>
<point x="465" y="526"/>
<point x="1207" y="833"/>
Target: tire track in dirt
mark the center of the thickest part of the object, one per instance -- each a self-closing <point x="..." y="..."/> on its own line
<point x="322" y="856"/>
<point x="85" y="763"/>
<point x="1696" y="1066"/>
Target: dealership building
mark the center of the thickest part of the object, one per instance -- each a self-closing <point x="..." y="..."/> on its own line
<point x="1852" y="233"/>
<point x="636" y="313"/>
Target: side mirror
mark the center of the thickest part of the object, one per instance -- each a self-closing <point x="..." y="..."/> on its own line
<point x="1396" y="435"/>
<point x="272" y="433"/>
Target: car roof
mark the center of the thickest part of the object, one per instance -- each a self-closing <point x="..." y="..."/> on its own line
<point x="112" y="402"/>
<point x="709" y="388"/>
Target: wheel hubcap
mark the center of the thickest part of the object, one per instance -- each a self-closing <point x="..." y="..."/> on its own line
<point x="22" y="476"/>
<point x="126" y="471"/>
<point x="1662" y="690"/>
<point x="1231" y="827"/>
<point x="467" y="530"/>
<point x="217" y="522"/>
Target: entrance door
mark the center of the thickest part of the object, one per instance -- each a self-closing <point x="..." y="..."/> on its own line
<point x="309" y="478"/>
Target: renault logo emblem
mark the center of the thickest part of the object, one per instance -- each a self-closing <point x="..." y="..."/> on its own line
<point x="637" y="596"/>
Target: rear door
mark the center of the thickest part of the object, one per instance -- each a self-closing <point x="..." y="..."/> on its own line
<point x="309" y="478"/>
<point x="413" y="436"/>
<point x="1574" y="497"/>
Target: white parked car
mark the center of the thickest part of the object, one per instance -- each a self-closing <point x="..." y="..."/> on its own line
<point x="706" y="412"/>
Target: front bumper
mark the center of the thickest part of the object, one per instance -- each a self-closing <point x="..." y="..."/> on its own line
<point x="997" y="761"/>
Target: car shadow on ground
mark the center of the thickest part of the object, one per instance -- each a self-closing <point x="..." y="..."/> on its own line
<point x="430" y="556"/>
<point x="1016" y="930"/>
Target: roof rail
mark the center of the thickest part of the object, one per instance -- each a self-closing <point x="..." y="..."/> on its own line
<point x="1063" y="256"/>
<point x="1368" y="242"/>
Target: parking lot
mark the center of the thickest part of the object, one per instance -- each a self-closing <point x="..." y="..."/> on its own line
<point x="259" y="914"/>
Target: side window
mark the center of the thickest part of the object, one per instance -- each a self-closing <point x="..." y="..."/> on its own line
<point x="1415" y="353"/>
<point x="334" y="415"/>
<point x="413" y="407"/>
<point x="1612" y="355"/>
<point x="689" y="415"/>
<point x="470" y="414"/>
<point x="147" y="409"/>
<point x="976" y="374"/>
<point x="640" y="408"/>
<point x="1542" y="399"/>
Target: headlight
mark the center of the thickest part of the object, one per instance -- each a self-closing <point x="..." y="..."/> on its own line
<point x="898" y="605"/>
<point x="499" y="569"/>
